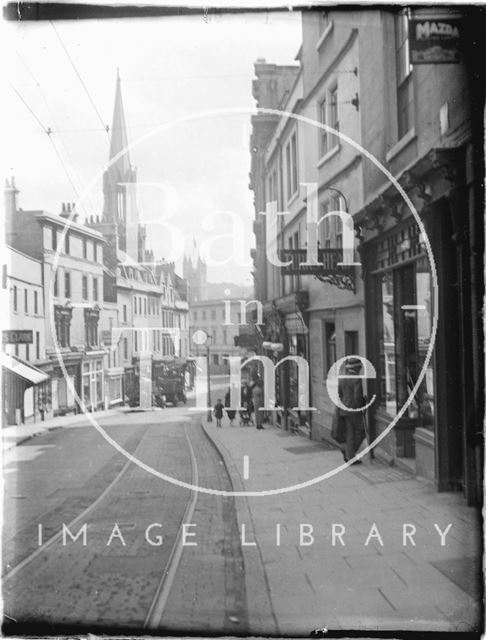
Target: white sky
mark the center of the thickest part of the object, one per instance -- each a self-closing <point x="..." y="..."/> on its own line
<point x="169" y="67"/>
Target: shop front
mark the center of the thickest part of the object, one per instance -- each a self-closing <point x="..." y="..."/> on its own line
<point x="437" y="435"/>
<point x="114" y="387"/>
<point x="297" y="345"/>
<point x="92" y="381"/>
<point x="285" y="333"/>
<point x="23" y="386"/>
<point x="64" y="386"/>
<point x="401" y="305"/>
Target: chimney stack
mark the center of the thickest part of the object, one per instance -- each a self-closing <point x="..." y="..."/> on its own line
<point x="11" y="193"/>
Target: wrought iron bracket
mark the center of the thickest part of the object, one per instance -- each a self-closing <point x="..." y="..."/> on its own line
<point x="345" y="281"/>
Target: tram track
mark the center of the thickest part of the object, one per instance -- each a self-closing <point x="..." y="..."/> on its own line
<point x="156" y="610"/>
<point x="154" y="617"/>
<point x="79" y="518"/>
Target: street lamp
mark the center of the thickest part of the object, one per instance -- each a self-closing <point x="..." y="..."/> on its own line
<point x="209" y="339"/>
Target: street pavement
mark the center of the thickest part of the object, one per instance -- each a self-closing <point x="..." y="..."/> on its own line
<point x="264" y="564"/>
<point x="373" y="581"/>
<point x="112" y="576"/>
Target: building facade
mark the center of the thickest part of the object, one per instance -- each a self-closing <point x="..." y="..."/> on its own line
<point x="26" y="388"/>
<point x="355" y="76"/>
<point x="71" y="255"/>
<point x="221" y="323"/>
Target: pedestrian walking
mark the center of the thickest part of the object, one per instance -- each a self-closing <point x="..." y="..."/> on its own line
<point x="257" y="399"/>
<point x="231" y="413"/>
<point x="218" y="412"/>
<point x="350" y="391"/>
<point x="246" y="405"/>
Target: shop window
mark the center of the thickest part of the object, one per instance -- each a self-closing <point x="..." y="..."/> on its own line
<point x="16" y="350"/>
<point x="387" y="349"/>
<point x="424" y="291"/>
<point x="297" y="347"/>
<point x="403" y="75"/>
<point x="405" y="318"/>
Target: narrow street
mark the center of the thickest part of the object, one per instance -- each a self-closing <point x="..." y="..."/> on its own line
<point x="261" y="564"/>
<point x="126" y="567"/>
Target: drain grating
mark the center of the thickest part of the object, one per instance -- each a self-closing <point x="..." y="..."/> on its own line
<point x="376" y="475"/>
<point x="309" y="448"/>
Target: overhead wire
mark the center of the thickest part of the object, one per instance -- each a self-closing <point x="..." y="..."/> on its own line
<point x="103" y="124"/>
<point x="48" y="132"/>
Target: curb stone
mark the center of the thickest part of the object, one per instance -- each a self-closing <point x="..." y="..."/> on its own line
<point x="261" y="613"/>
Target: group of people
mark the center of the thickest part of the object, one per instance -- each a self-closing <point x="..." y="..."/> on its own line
<point x="349" y="425"/>
<point x="252" y="400"/>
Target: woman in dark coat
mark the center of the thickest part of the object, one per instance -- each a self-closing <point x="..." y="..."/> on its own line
<point x="257" y="399"/>
<point x="350" y="392"/>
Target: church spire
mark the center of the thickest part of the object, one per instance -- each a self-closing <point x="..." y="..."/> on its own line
<point x="119" y="138"/>
<point x="120" y="207"/>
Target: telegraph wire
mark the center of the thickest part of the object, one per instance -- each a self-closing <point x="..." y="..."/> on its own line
<point x="48" y="131"/>
<point x="105" y="126"/>
<point x="52" y="130"/>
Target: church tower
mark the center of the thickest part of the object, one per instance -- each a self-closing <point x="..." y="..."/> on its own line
<point x="195" y="273"/>
<point x="119" y="185"/>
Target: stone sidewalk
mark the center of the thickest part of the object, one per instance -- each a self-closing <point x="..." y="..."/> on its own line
<point x="302" y="575"/>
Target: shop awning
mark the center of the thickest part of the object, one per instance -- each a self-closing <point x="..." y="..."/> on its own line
<point x="28" y="372"/>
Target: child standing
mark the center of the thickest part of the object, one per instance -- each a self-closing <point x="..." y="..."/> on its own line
<point x="229" y="412"/>
<point x="218" y="412"/>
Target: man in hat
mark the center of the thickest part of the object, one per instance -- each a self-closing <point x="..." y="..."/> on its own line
<point x="350" y="392"/>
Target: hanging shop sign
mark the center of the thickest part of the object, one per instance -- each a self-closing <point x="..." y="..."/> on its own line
<point x="330" y="270"/>
<point x="435" y="39"/>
